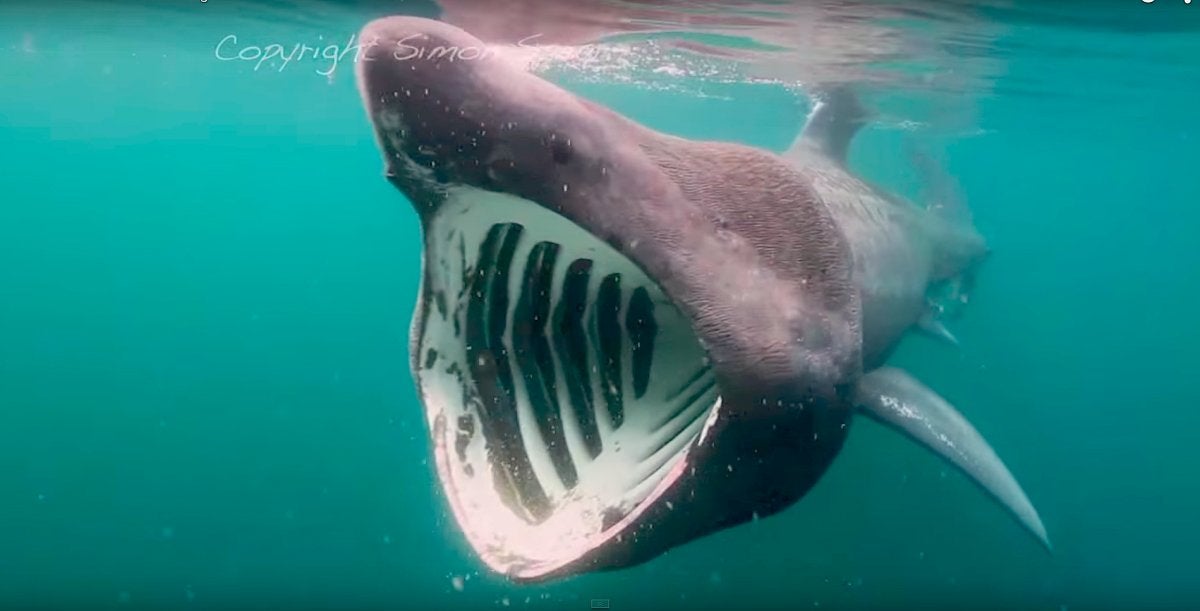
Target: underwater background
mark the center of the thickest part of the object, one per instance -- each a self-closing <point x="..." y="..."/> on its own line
<point x="206" y="286"/>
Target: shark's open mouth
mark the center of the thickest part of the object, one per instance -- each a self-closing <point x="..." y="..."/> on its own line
<point x="561" y="385"/>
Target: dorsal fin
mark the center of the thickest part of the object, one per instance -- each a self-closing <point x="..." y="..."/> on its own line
<point x="836" y="117"/>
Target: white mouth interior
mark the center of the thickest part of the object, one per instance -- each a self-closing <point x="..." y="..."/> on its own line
<point x="560" y="384"/>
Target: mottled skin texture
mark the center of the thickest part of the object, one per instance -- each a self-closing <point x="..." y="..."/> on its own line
<point x="745" y="244"/>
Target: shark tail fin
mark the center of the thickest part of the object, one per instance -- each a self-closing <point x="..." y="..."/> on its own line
<point x="893" y="398"/>
<point x="941" y="191"/>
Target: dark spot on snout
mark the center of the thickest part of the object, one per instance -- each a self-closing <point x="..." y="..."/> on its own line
<point x="560" y="151"/>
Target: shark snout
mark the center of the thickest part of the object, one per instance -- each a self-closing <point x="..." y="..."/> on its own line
<point x="408" y="61"/>
<point x="421" y="85"/>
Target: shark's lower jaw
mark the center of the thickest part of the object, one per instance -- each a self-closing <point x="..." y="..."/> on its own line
<point x="562" y="388"/>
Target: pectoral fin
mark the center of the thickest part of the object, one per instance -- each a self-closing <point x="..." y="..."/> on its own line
<point x="894" y="398"/>
<point x="935" y="329"/>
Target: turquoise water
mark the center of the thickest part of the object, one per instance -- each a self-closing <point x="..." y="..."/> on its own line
<point x="206" y="286"/>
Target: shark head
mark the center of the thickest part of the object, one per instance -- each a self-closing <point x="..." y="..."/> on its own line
<point x="624" y="340"/>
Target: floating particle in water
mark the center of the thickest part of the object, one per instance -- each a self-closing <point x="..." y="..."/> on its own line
<point x="167" y="532"/>
<point x="714" y="578"/>
<point x="189" y="594"/>
<point x="458" y="582"/>
<point x="41" y="498"/>
<point x="387" y="539"/>
<point x="505" y="602"/>
<point x="123" y="598"/>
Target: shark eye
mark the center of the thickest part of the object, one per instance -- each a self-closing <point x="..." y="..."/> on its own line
<point x="500" y="167"/>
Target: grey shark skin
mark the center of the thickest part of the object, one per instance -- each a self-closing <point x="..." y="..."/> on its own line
<point x="626" y="340"/>
<point x="899" y="250"/>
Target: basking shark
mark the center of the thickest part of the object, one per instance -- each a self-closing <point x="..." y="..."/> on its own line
<point x="626" y="340"/>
